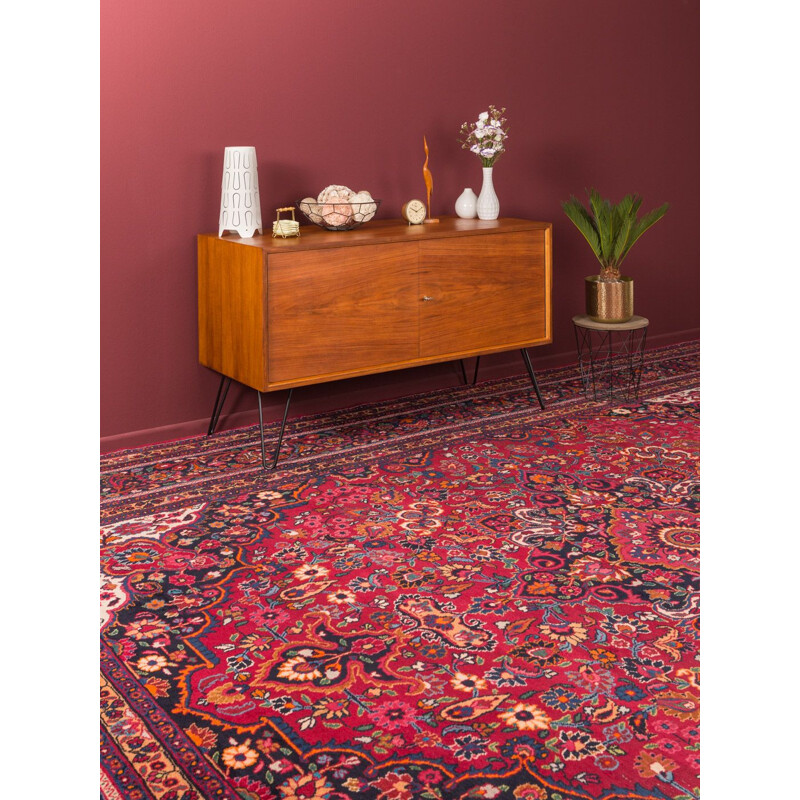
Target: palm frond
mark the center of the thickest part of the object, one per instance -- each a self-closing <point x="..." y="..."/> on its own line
<point x="623" y="237"/>
<point x="583" y="221"/>
<point x="628" y="206"/>
<point x="647" y="221"/>
<point x="611" y="230"/>
<point x="605" y="227"/>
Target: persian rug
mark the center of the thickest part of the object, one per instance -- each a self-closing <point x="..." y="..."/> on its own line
<point x="451" y="595"/>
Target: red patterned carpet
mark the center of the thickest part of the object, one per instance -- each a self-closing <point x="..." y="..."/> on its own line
<point x="453" y="595"/>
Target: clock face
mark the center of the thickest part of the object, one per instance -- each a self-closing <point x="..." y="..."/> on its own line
<point x="414" y="212"/>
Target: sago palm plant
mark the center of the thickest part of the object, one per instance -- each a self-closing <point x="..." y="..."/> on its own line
<point x="611" y="230"/>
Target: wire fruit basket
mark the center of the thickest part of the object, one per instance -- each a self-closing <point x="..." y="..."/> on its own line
<point x="338" y="215"/>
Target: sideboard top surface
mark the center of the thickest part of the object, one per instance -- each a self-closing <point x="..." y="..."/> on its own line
<point x="382" y="231"/>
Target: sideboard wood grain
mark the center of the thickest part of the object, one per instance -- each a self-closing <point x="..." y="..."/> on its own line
<point x="279" y="313"/>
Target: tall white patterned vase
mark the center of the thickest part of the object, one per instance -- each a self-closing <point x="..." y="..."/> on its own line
<point x="240" y="206"/>
<point x="488" y="206"/>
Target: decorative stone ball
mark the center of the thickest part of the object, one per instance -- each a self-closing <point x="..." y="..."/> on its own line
<point x="308" y="206"/>
<point x="365" y="211"/>
<point x="334" y="192"/>
<point x="335" y="215"/>
<point x="343" y="214"/>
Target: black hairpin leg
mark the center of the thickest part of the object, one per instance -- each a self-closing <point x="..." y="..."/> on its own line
<point x="529" y="367"/>
<point x="280" y="435"/>
<point x="222" y="393"/>
<point x="475" y="376"/>
<point x="463" y="370"/>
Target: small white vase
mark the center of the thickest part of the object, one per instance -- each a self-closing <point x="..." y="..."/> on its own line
<point x="488" y="206"/>
<point x="466" y="203"/>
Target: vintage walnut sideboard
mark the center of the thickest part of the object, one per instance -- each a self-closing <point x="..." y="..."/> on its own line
<point x="280" y="313"/>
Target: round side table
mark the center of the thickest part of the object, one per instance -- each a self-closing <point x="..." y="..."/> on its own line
<point x="610" y="355"/>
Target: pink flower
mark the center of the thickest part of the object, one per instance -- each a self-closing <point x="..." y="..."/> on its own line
<point x="430" y="776"/>
<point x="395" y="715"/>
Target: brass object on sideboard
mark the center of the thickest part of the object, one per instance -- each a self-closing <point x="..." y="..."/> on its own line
<point x="285" y="227"/>
<point x="609" y="301"/>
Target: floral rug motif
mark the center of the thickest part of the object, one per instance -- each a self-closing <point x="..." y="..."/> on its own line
<point x="454" y="595"/>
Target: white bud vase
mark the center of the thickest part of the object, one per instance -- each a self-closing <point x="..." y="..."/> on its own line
<point x="466" y="203"/>
<point x="488" y="206"/>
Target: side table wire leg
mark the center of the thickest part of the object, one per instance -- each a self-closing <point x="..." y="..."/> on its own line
<point x="630" y="375"/>
<point x="218" y="403"/>
<point x="532" y="375"/>
<point x="463" y="370"/>
<point x="580" y="356"/>
<point x="280" y="435"/>
<point x="640" y="359"/>
<point x="592" y="355"/>
<point x="610" y="367"/>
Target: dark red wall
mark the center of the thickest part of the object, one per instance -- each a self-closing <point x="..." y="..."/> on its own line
<point x="598" y="93"/>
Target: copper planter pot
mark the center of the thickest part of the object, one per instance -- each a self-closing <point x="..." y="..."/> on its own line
<point x="609" y="301"/>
